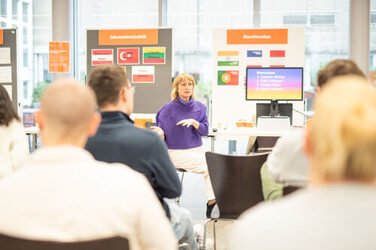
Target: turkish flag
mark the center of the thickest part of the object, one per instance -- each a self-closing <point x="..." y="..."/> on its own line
<point x="128" y="55"/>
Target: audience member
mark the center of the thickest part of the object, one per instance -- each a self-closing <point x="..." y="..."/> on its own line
<point x="118" y="140"/>
<point x="181" y="123"/>
<point x="63" y="194"/>
<point x="287" y="164"/>
<point x="13" y="147"/>
<point x="337" y="211"/>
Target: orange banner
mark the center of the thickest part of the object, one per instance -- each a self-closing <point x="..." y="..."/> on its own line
<point x="1" y="37"/>
<point x="128" y="37"/>
<point x="58" y="60"/>
<point x="257" y="36"/>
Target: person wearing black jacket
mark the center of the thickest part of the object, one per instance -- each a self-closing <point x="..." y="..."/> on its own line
<point x="118" y="140"/>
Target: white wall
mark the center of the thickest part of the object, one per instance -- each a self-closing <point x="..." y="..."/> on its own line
<point x="228" y="102"/>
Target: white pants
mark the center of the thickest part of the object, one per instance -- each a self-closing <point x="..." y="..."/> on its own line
<point x="193" y="160"/>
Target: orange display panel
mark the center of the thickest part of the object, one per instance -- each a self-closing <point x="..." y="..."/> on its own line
<point x="257" y="36"/>
<point x="128" y="37"/>
<point x="58" y="60"/>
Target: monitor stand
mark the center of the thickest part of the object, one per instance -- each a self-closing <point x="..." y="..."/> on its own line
<point x="274" y="120"/>
<point x="274" y="110"/>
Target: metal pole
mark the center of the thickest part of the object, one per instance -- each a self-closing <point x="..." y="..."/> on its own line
<point x="359" y="33"/>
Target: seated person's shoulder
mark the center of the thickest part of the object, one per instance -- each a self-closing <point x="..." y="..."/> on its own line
<point x="288" y="144"/>
<point x="293" y="137"/>
<point x="287" y="162"/>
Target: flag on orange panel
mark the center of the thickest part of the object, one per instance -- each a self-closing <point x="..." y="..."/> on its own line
<point x="228" y="77"/>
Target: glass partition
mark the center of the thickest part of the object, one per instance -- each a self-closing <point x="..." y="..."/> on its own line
<point x="372" y="44"/>
<point x="326" y="25"/>
<point x="114" y="14"/>
<point x="33" y="20"/>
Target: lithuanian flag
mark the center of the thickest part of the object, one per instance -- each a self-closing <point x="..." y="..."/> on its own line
<point x="154" y="55"/>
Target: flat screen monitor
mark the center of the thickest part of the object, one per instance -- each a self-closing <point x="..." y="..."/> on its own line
<point x="274" y="84"/>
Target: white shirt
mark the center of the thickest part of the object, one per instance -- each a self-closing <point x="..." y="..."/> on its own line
<point x="13" y="147"/>
<point x="338" y="217"/>
<point x="287" y="163"/>
<point x="63" y="194"/>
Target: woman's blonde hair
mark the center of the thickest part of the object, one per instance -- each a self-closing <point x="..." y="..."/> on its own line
<point x="342" y="134"/>
<point x="184" y="77"/>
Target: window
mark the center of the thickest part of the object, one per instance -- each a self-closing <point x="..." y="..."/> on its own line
<point x="25" y="57"/>
<point x="326" y="25"/>
<point x="25" y="38"/>
<point x="15" y="9"/>
<point x="103" y="14"/>
<point x="193" y="23"/>
<point x="294" y="19"/>
<point x="372" y="45"/>
<point x="34" y="23"/>
<point x="47" y="75"/>
<point x="373" y="18"/>
<point x="25" y="90"/>
<point x="25" y="12"/>
<point x="3" y="8"/>
<point x="322" y="19"/>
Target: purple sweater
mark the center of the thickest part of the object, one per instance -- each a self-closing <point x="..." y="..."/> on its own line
<point x="177" y="136"/>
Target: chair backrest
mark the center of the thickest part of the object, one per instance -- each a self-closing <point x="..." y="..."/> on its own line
<point x="265" y="143"/>
<point x="13" y="243"/>
<point x="236" y="182"/>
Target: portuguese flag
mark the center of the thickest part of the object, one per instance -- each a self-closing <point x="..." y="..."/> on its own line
<point x="154" y="55"/>
<point x="228" y="77"/>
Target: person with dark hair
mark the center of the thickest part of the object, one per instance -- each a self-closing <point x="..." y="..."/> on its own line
<point x="118" y="140"/>
<point x="287" y="164"/>
<point x="13" y="147"/>
<point x="338" y="67"/>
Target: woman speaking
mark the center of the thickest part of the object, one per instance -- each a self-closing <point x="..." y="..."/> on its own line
<point x="181" y="123"/>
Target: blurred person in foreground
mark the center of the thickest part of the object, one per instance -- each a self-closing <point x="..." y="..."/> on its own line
<point x="64" y="194"/>
<point x="287" y="165"/>
<point x="13" y="142"/>
<point x="337" y="211"/>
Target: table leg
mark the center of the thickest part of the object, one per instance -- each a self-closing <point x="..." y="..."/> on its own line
<point x="35" y="141"/>
<point x="212" y="140"/>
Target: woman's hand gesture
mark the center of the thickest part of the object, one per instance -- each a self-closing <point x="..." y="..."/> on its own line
<point x="189" y="122"/>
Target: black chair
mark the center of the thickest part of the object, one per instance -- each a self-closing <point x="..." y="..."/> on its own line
<point x="13" y="243"/>
<point x="236" y="184"/>
<point x="265" y="143"/>
<point x="182" y="171"/>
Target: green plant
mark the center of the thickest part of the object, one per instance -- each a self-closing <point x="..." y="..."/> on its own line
<point x="38" y="90"/>
<point x="203" y="89"/>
